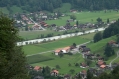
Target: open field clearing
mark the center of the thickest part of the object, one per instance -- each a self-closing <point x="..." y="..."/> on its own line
<point x="41" y="47"/>
<point x="63" y="62"/>
<point x="85" y="17"/>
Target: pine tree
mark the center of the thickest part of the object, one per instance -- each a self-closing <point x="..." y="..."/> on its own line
<point x="12" y="58"/>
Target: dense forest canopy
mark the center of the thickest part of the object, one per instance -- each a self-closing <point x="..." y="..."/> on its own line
<point x="50" y="5"/>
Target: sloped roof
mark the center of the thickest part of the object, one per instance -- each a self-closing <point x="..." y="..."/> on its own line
<point x="37" y="68"/>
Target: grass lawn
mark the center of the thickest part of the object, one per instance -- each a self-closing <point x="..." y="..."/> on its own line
<point x="116" y="61"/>
<point x="4" y="10"/>
<point x="33" y="34"/>
<point x="49" y="59"/>
<point x="99" y="46"/>
<point x="84" y="17"/>
<point x="41" y="47"/>
<point x="88" y="36"/>
<point x="63" y="62"/>
<point x="38" y="58"/>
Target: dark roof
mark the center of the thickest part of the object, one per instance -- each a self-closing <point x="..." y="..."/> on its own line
<point x="67" y="75"/>
<point x="38" y="77"/>
<point x="86" y="49"/>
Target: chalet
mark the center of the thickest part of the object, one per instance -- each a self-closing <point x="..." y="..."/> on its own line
<point x="113" y="43"/>
<point x="86" y="50"/>
<point x="66" y="49"/>
<point x="54" y="73"/>
<point x="82" y="46"/>
<point x="63" y="50"/>
<point x="89" y="56"/>
<point x="100" y="58"/>
<point x="83" y="74"/>
<point x="56" y="52"/>
<point x="45" y="25"/>
<point x="83" y="65"/>
<point x="37" y="68"/>
<point x="67" y="76"/>
<point x="36" y="27"/>
<point x="38" y="77"/>
<point x="103" y="66"/>
<point x="101" y="62"/>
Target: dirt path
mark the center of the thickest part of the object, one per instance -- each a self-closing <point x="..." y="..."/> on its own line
<point x="114" y="59"/>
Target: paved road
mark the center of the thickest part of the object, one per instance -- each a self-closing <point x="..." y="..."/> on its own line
<point x="114" y="59"/>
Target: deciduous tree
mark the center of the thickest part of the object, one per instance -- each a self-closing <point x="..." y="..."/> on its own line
<point x="12" y="58"/>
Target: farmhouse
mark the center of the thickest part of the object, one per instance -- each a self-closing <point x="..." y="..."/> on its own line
<point x="101" y="62"/>
<point x="63" y="50"/>
<point x="54" y="73"/>
<point x="83" y="65"/>
<point x="56" y="52"/>
<point x="36" y="27"/>
<point x="86" y="50"/>
<point x="113" y="43"/>
<point x="38" y="77"/>
<point x="83" y="74"/>
<point x="37" y="68"/>
<point x="67" y="76"/>
<point x="66" y="49"/>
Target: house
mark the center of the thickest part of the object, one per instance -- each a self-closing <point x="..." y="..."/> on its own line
<point x="37" y="68"/>
<point x="103" y="66"/>
<point x="83" y="65"/>
<point x="36" y="27"/>
<point x="83" y="74"/>
<point x="56" y="52"/>
<point x="38" y="77"/>
<point x="66" y="49"/>
<point x="100" y="58"/>
<point x="113" y="43"/>
<point x="82" y="46"/>
<point x="89" y="56"/>
<point x="86" y="50"/>
<point x="101" y="62"/>
<point x="63" y="50"/>
<point x="54" y="73"/>
<point x="67" y="76"/>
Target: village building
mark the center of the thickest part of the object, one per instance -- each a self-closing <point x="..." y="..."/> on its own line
<point x="67" y="76"/>
<point x="83" y="65"/>
<point x="37" y="68"/>
<point x="83" y="74"/>
<point x="54" y="73"/>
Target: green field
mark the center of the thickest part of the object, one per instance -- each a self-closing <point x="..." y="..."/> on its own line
<point x="41" y="47"/>
<point x="82" y="17"/>
<point x="99" y="46"/>
<point x="63" y="62"/>
<point x="38" y="58"/>
<point x="85" y="17"/>
<point x="49" y="59"/>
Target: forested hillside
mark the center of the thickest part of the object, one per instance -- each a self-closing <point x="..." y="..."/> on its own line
<point x="50" y="5"/>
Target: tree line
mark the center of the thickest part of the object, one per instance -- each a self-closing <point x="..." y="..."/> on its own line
<point x="50" y="5"/>
<point x="112" y="30"/>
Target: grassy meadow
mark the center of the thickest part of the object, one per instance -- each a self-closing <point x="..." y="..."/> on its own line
<point x="85" y="17"/>
<point x="82" y="17"/>
<point x="41" y="47"/>
<point x="62" y="62"/>
<point x="49" y="59"/>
